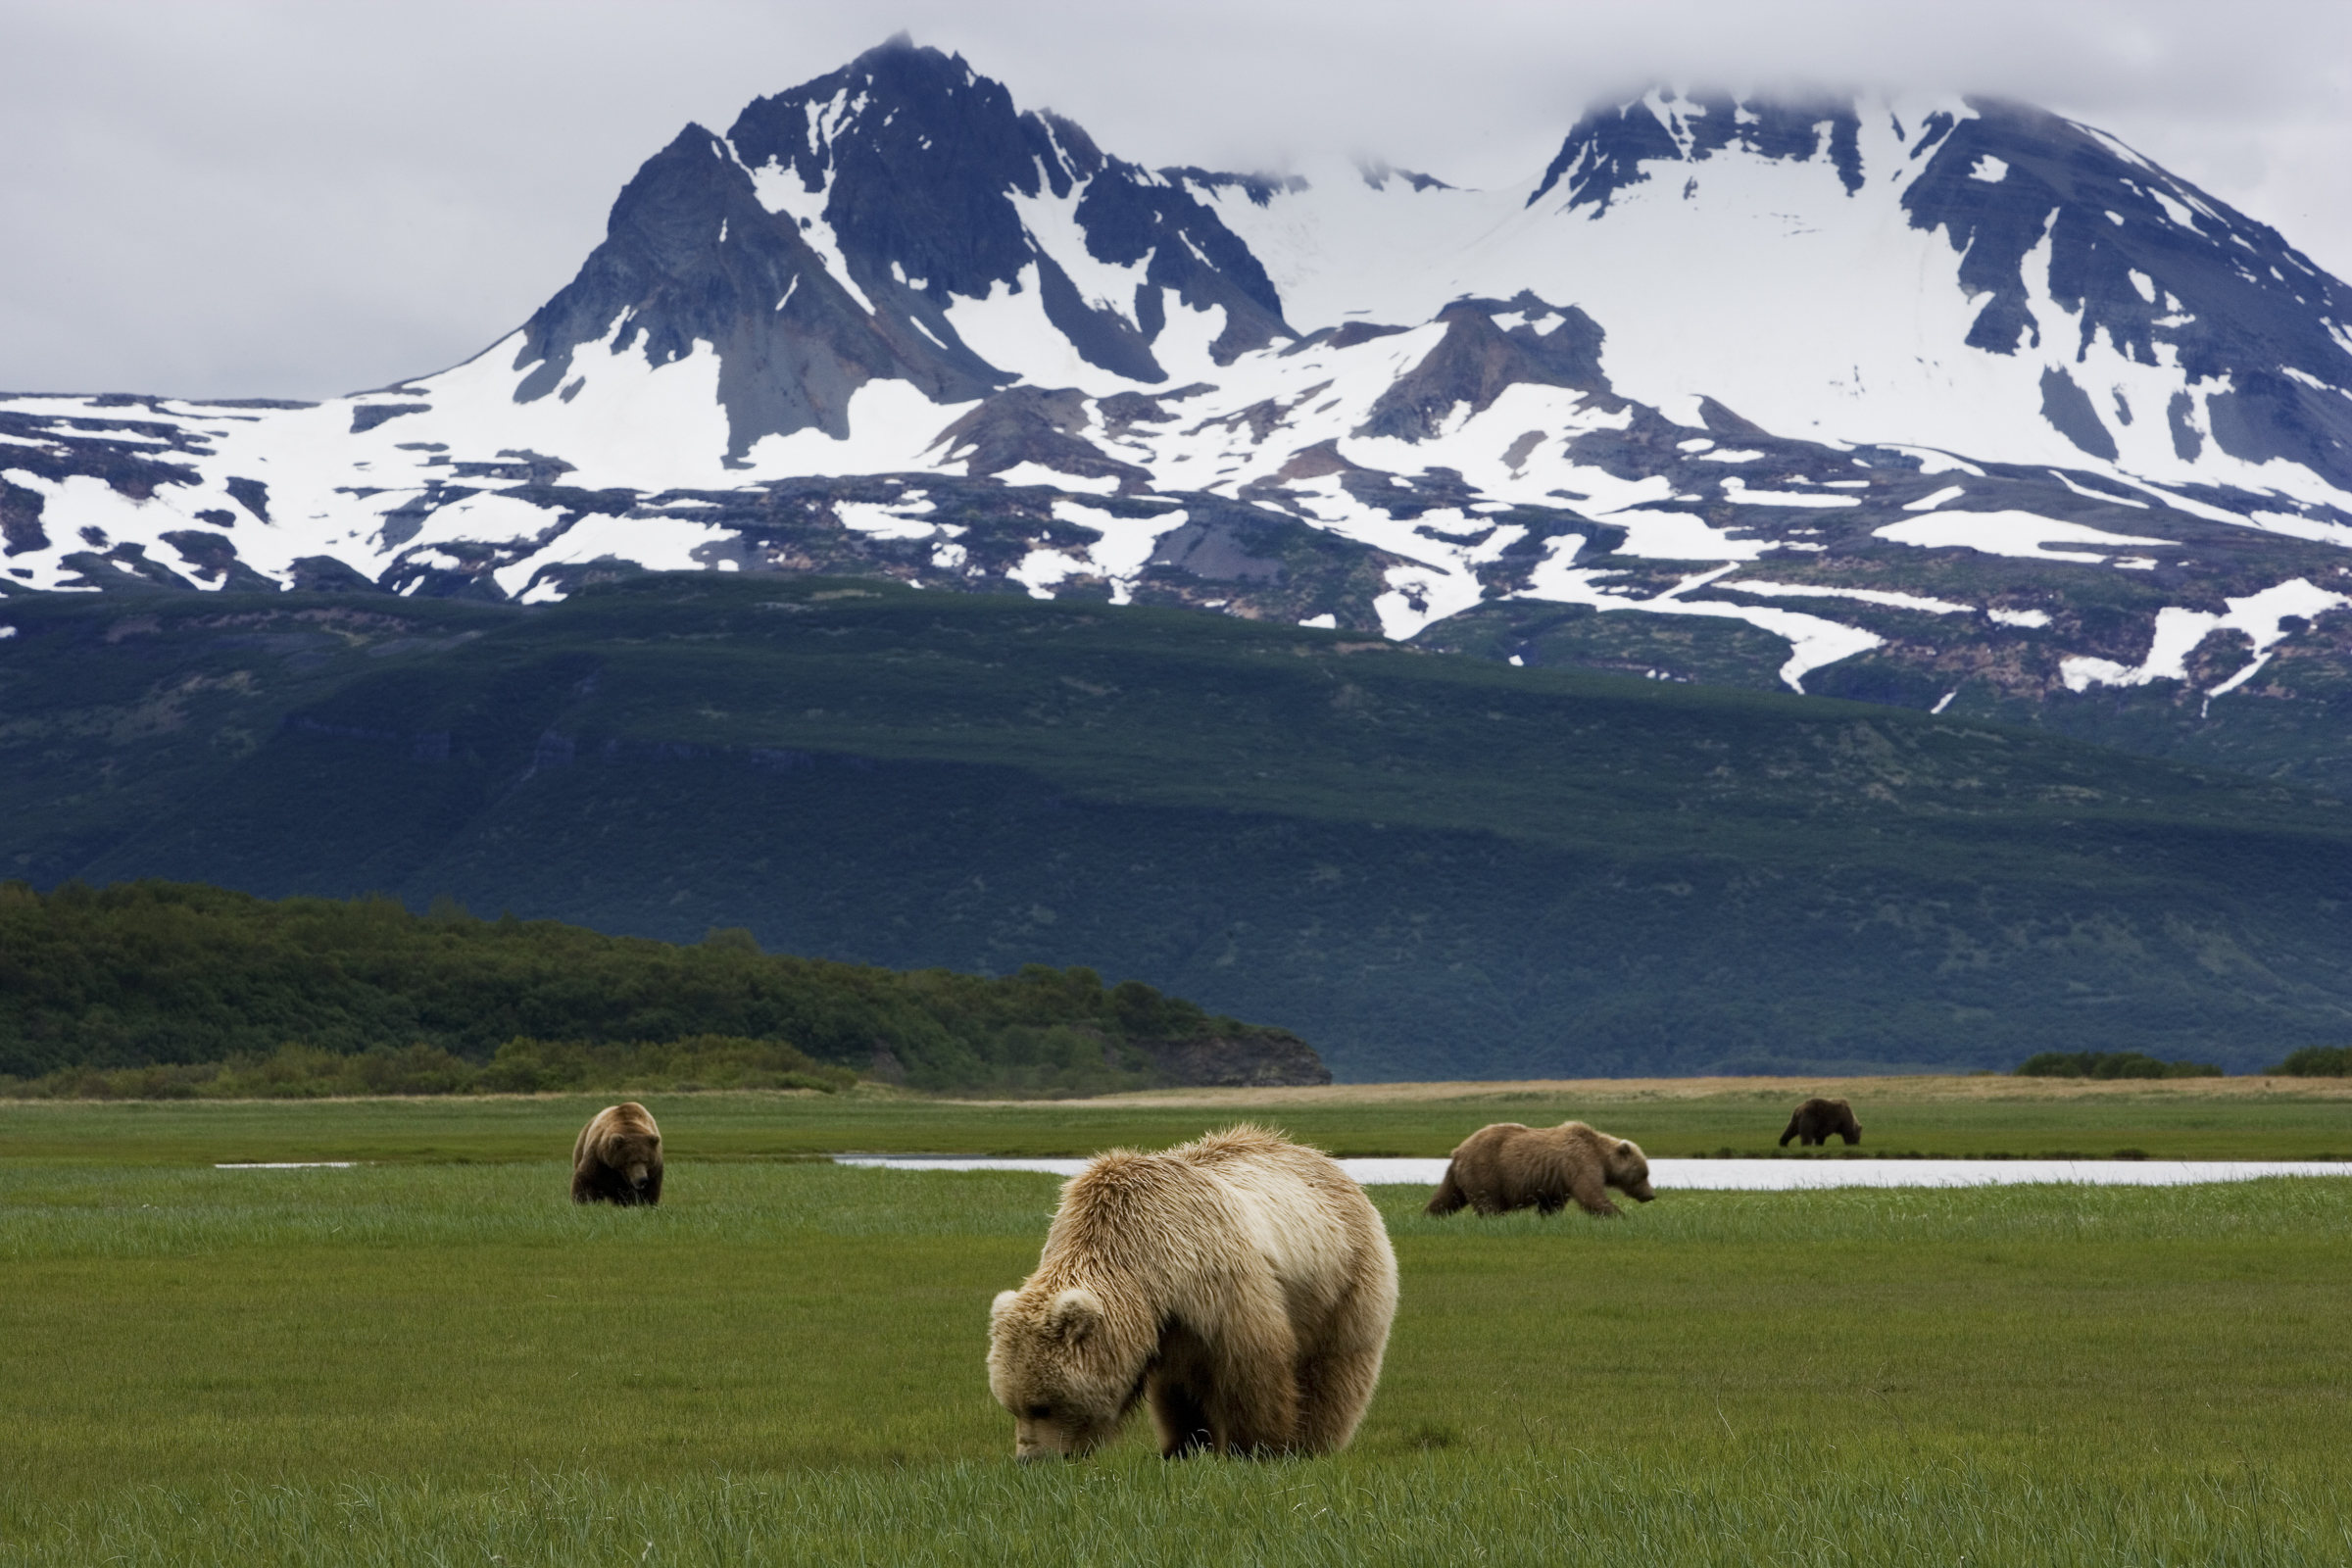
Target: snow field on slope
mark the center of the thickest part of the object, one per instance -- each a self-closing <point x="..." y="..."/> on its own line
<point x="1767" y="288"/>
<point x="297" y="452"/>
<point x="1343" y="251"/>
<point x="1052" y="224"/>
<point x="779" y="190"/>
<point x="630" y="425"/>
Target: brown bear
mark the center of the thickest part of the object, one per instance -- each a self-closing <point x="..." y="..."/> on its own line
<point x="1507" y="1166"/>
<point x="617" y="1157"/>
<point x="1815" y="1119"/>
<point x="1240" y="1284"/>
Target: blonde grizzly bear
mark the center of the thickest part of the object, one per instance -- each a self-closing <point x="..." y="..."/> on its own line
<point x="1509" y="1167"/>
<point x="617" y="1157"/>
<point x="1814" y="1121"/>
<point x="1240" y="1284"/>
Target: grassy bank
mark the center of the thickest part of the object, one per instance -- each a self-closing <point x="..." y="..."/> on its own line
<point x="2178" y="1119"/>
<point x="448" y="1362"/>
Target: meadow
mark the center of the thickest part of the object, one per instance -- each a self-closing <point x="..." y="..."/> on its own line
<point x="438" y="1359"/>
<point x="1979" y="1116"/>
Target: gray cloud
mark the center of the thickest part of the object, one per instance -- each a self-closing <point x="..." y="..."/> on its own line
<point x="280" y="198"/>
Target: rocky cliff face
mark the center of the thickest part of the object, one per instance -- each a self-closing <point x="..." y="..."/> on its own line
<point x="1259" y="1058"/>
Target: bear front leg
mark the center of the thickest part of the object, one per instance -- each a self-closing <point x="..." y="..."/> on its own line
<point x="1175" y="1391"/>
<point x="1793" y="1130"/>
<point x="1252" y="1402"/>
<point x="1178" y="1416"/>
<point x="1592" y="1195"/>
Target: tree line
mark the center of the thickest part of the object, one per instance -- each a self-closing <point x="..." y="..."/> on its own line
<point x="200" y="987"/>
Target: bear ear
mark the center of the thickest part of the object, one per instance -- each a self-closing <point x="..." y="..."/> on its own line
<point x="1074" y="1314"/>
<point x="1000" y="1306"/>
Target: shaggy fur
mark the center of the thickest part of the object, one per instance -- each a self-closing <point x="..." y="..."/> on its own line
<point x="1508" y="1166"/>
<point x="617" y="1157"/>
<point x="1816" y="1119"/>
<point x="1240" y="1284"/>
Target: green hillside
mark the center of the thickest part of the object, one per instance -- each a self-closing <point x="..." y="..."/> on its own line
<point x="1427" y="866"/>
<point x="311" y="996"/>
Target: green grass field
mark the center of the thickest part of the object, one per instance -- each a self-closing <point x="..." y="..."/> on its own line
<point x="2286" y="1119"/>
<point x="431" y="1360"/>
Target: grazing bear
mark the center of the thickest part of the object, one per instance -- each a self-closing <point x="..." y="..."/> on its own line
<point x="1816" y="1119"/>
<point x="617" y="1159"/>
<point x="1509" y="1167"/>
<point x="1240" y="1284"/>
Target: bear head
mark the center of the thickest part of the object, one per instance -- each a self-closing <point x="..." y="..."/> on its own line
<point x="1051" y="1363"/>
<point x="634" y="1152"/>
<point x="1629" y="1170"/>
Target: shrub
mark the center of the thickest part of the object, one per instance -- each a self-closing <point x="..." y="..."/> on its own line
<point x="2318" y="1061"/>
<point x="2110" y="1065"/>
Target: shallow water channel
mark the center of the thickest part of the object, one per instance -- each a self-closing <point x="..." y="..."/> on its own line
<point x="1763" y="1175"/>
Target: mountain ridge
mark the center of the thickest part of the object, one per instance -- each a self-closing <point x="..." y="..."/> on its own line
<point x="1923" y="402"/>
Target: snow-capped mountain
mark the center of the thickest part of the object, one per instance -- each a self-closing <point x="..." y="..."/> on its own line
<point x="1927" y="402"/>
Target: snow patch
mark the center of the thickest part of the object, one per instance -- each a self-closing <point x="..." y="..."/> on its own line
<point x="881" y="521"/>
<point x="1868" y="595"/>
<point x="2021" y="534"/>
<point x="1036" y="473"/>
<point x="1735" y="491"/>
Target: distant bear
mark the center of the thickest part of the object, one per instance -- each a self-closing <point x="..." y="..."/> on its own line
<point x="1240" y="1284"/>
<point x="617" y="1157"/>
<point x="1816" y="1119"/>
<point x="1509" y="1167"/>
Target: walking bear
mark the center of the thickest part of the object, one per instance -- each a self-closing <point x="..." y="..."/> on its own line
<point x="1509" y="1167"/>
<point x="1816" y="1119"/>
<point x="1239" y="1286"/>
<point x="617" y="1157"/>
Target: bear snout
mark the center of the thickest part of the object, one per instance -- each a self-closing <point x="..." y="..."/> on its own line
<point x="1034" y="1441"/>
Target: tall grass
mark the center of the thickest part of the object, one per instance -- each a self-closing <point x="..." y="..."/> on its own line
<point x="1781" y="1505"/>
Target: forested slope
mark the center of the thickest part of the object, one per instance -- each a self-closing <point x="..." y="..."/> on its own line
<point x="1428" y="866"/>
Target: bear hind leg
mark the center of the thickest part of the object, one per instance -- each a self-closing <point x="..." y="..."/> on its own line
<point x="1448" y="1198"/>
<point x="1336" y="1380"/>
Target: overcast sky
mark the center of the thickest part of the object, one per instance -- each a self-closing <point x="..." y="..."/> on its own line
<point x="300" y="197"/>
